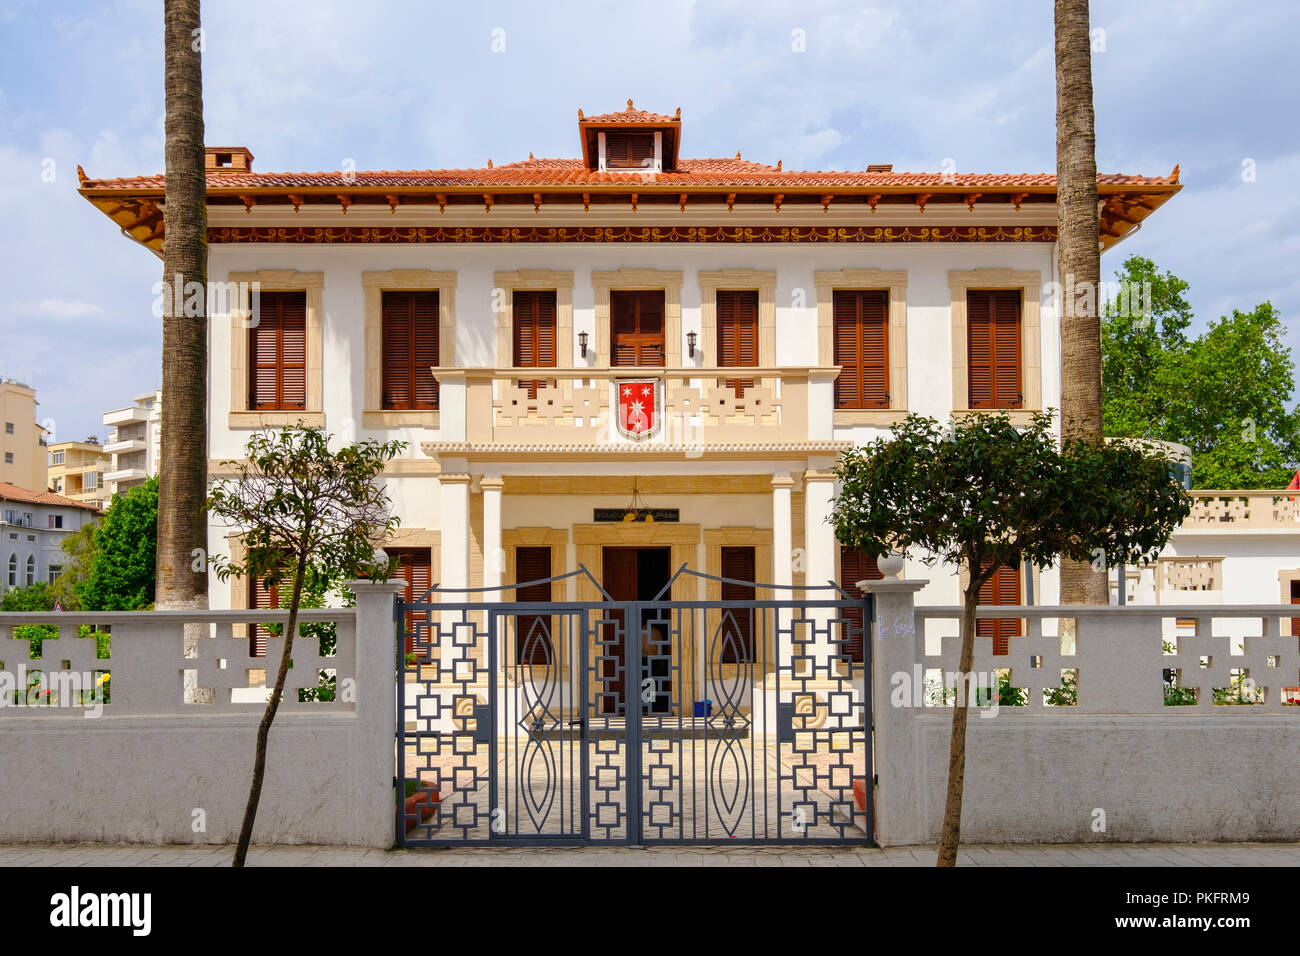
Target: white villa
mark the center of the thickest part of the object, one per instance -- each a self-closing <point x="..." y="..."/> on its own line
<point x="713" y="333"/>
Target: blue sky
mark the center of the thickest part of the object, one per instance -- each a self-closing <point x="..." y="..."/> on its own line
<point x="393" y="84"/>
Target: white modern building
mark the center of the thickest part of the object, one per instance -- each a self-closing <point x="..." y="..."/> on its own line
<point x="133" y="442"/>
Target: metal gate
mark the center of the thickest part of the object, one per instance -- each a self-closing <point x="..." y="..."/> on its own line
<point x="642" y="722"/>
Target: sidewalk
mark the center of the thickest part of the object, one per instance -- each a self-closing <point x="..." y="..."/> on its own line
<point x="1116" y="854"/>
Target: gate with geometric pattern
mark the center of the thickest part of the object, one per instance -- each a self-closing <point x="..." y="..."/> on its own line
<point x="640" y="722"/>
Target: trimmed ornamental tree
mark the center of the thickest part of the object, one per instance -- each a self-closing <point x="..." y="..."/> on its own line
<point x="306" y="513"/>
<point x="982" y="493"/>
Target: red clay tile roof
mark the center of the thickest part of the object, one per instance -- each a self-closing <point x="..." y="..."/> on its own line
<point x="629" y="115"/>
<point x="717" y="173"/>
<point x="10" y="492"/>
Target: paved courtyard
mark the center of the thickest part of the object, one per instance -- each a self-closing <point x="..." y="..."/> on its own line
<point x="1165" y="854"/>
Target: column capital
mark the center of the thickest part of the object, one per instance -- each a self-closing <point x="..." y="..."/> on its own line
<point x="453" y="479"/>
<point x="818" y="474"/>
<point x="492" y="483"/>
<point x="782" y="481"/>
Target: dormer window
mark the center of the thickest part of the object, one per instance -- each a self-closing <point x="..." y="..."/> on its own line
<point x="632" y="151"/>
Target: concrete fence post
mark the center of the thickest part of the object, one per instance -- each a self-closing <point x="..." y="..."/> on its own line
<point x="894" y="660"/>
<point x="376" y="710"/>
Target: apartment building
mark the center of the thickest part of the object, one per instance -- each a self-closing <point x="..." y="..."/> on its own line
<point x="133" y="443"/>
<point x="22" y="440"/>
<point x="32" y="528"/>
<point x="77" y="470"/>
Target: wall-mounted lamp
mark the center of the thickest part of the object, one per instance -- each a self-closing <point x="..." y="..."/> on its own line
<point x="690" y="344"/>
<point x="582" y="343"/>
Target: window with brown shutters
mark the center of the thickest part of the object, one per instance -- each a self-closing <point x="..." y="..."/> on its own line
<point x="533" y="644"/>
<point x="993" y="348"/>
<point x="277" y="353"/>
<point x="636" y="328"/>
<point x="854" y="567"/>
<point x="629" y="150"/>
<point x="738" y="335"/>
<point x="414" y="566"/>
<point x="260" y="597"/>
<point x="737" y="625"/>
<point x="410" y="349"/>
<point x="534" y="334"/>
<point x="861" y="348"/>
<point x="1001" y="589"/>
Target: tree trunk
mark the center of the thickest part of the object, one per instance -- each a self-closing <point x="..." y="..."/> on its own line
<point x="950" y="836"/>
<point x="1078" y="258"/>
<point x="183" y="478"/>
<point x="268" y="716"/>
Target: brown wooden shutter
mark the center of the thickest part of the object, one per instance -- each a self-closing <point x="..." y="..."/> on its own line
<point x="993" y="350"/>
<point x="854" y="567"/>
<point x="860" y="327"/>
<point x="737" y="564"/>
<point x="1002" y="589"/>
<point x="1295" y="599"/>
<point x="260" y="597"/>
<point x="637" y="328"/>
<point x="534" y="334"/>
<point x="628" y="151"/>
<point x="277" y="353"/>
<point x="738" y="334"/>
<point x="533" y="564"/>
<point x="414" y="566"/>
<point x="410" y="349"/>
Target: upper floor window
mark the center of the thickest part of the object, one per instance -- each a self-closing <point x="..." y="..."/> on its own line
<point x="738" y="334"/>
<point x="993" y="348"/>
<point x="9" y="428"/>
<point x="410" y="349"/>
<point x="91" y="480"/>
<point x="637" y="327"/>
<point x="9" y="458"/>
<point x="56" y="458"/>
<point x="861" y="348"/>
<point x="277" y="353"/>
<point x="56" y="521"/>
<point x="533" y="333"/>
<point x="629" y="150"/>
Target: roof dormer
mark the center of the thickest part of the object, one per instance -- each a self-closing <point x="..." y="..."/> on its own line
<point x="630" y="141"/>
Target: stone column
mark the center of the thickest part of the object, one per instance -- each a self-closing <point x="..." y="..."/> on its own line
<point x="494" y="558"/>
<point x="454" y="575"/>
<point x="897" y="695"/>
<point x="782" y="559"/>
<point x="375" y="646"/>
<point x="820" y="559"/>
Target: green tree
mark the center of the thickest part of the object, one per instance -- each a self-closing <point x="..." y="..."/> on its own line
<point x="1222" y="393"/>
<point x="307" y="513"/>
<point x="80" y="550"/>
<point x="122" y="574"/>
<point x="982" y="494"/>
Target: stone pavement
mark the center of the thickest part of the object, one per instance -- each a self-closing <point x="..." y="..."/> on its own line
<point x="1115" y="854"/>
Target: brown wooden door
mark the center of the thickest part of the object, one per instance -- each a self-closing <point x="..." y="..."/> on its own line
<point x="413" y="567"/>
<point x="636" y="328"/>
<point x="854" y="567"/>
<point x="533" y="632"/>
<point x="737" y="640"/>
<point x="1295" y="599"/>
<point x="619" y="579"/>
<point x="738" y="335"/>
<point x="636" y="574"/>
<point x="1001" y="589"/>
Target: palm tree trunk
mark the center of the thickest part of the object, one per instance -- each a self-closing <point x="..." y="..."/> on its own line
<point x="183" y="479"/>
<point x="1078" y="258"/>
<point x="268" y="716"/>
<point x="950" y="835"/>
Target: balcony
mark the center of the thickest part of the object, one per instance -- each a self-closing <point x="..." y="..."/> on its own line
<point x="126" y="416"/>
<point x="1250" y="510"/>
<point x="126" y="474"/>
<point x="688" y="406"/>
<point x="126" y="446"/>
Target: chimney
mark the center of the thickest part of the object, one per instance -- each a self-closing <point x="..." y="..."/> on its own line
<point x="227" y="159"/>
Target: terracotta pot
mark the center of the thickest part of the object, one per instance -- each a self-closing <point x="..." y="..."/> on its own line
<point x="860" y="794"/>
<point x="422" y="805"/>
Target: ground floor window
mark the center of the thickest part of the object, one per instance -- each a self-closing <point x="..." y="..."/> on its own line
<point x="1003" y="588"/>
<point x="855" y="566"/>
<point x="736" y="639"/>
<point x="533" y="644"/>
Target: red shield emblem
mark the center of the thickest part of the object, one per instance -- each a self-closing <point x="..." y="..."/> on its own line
<point x="638" y="408"/>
